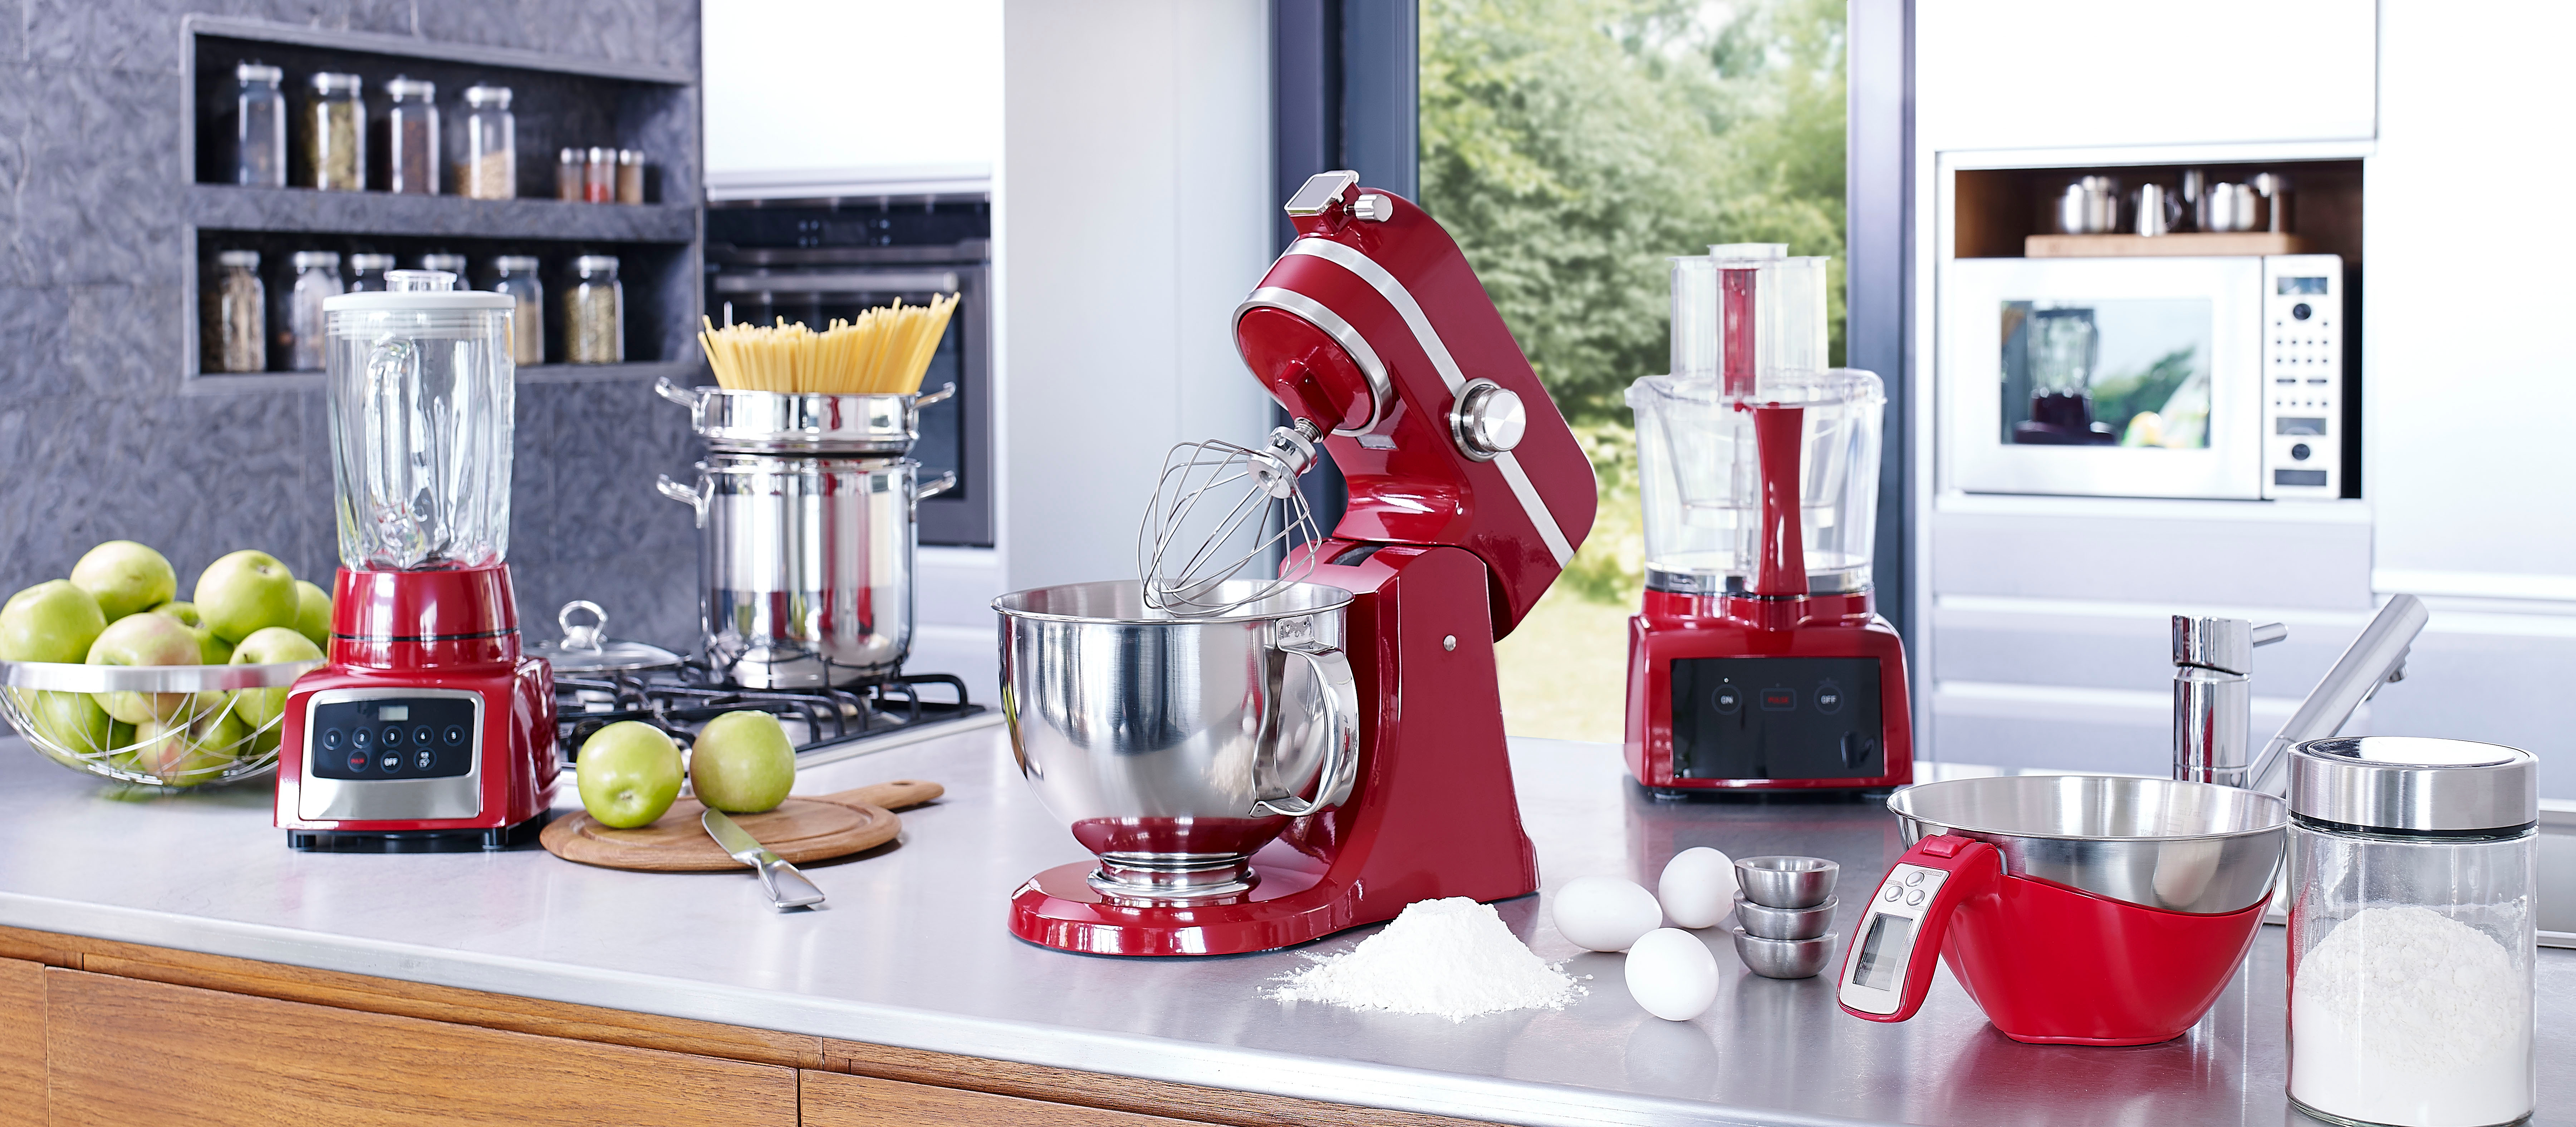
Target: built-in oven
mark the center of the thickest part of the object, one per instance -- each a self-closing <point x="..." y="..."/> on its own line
<point x="813" y="261"/>
<point x="2219" y="378"/>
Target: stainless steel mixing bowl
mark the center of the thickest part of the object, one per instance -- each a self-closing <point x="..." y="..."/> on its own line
<point x="1176" y="746"/>
<point x="2161" y="843"/>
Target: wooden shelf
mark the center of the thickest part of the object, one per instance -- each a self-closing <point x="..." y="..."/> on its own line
<point x="2184" y="244"/>
<point x="304" y="210"/>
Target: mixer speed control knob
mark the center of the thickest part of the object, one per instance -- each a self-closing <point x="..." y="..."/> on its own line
<point x="1488" y="420"/>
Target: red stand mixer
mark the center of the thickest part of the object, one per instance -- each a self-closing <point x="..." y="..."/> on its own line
<point x="1758" y="661"/>
<point x="1468" y="495"/>
<point x="426" y="729"/>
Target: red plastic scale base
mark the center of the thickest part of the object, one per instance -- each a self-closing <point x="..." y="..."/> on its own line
<point x="2052" y="965"/>
<point x="1433" y="814"/>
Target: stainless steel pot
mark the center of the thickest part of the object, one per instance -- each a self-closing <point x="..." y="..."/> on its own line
<point x="2089" y="206"/>
<point x="1175" y="747"/>
<point x="2231" y="207"/>
<point x="769" y="422"/>
<point x="805" y="565"/>
<point x="2161" y="843"/>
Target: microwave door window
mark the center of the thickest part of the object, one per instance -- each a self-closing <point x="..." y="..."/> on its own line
<point x="2131" y="372"/>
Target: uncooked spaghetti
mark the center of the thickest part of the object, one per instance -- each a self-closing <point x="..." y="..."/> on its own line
<point x="884" y="352"/>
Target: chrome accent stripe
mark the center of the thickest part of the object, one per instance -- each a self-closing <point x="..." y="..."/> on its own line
<point x="1396" y="295"/>
<point x="1313" y="312"/>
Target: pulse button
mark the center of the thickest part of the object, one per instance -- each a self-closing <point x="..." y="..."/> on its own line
<point x="357" y="759"/>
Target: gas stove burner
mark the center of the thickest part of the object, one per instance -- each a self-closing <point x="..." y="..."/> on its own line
<point x="681" y="700"/>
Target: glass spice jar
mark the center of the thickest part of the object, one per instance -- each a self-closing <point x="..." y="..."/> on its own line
<point x="630" y="176"/>
<point x="599" y="176"/>
<point x="317" y="277"/>
<point x="411" y="128"/>
<point x="516" y="276"/>
<point x="595" y="312"/>
<point x="335" y="134"/>
<point x="569" y="165"/>
<point x="2413" y="871"/>
<point x="367" y="273"/>
<point x="491" y="169"/>
<point x="259" y="126"/>
<point x="236" y="308"/>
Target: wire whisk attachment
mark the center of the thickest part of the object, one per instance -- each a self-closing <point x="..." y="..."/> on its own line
<point x="1210" y="519"/>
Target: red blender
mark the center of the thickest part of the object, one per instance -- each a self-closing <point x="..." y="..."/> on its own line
<point x="1758" y="661"/>
<point x="1147" y="714"/>
<point x="426" y="729"/>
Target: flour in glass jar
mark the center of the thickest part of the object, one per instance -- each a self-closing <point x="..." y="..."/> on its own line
<point x="2406" y="1016"/>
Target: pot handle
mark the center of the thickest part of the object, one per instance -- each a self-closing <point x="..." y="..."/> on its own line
<point x="929" y="397"/>
<point x="937" y="485"/>
<point x="1888" y="967"/>
<point x="1341" y="732"/>
<point x="683" y="396"/>
<point x="683" y="494"/>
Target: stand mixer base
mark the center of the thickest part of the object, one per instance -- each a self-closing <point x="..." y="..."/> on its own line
<point x="1290" y="904"/>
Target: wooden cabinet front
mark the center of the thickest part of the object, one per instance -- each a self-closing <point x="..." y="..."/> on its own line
<point x="22" y="1043"/>
<point x="832" y="1099"/>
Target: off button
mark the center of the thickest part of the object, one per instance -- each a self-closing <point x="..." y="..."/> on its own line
<point x="1829" y="698"/>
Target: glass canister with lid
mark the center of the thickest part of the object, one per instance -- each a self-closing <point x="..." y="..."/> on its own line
<point x="2412" y="875"/>
<point x="317" y="279"/>
<point x="491" y="170"/>
<point x="236" y="306"/>
<point x="335" y="134"/>
<point x="259" y="126"/>
<point x="594" y="328"/>
<point x="516" y="276"/>
<point x="411" y="133"/>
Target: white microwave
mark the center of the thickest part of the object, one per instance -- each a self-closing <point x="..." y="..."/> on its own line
<point x="2213" y="378"/>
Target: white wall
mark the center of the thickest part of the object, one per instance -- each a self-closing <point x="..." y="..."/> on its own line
<point x="827" y="91"/>
<point x="1133" y="213"/>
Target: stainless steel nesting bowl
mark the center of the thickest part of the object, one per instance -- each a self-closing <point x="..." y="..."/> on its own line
<point x="1763" y="921"/>
<point x="1786" y="882"/>
<point x="1784" y="958"/>
<point x="2161" y="843"/>
<point x="1176" y="746"/>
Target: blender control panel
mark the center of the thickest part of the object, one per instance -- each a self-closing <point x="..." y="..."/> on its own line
<point x="392" y="738"/>
<point x="1777" y="718"/>
<point x="2303" y="393"/>
<point x="1874" y="968"/>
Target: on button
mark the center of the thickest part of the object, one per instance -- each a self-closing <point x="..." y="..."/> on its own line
<point x="1726" y="699"/>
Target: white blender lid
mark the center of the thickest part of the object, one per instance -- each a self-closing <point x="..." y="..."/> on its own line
<point x="417" y="291"/>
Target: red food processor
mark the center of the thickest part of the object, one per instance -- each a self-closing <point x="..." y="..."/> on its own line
<point x="2075" y="909"/>
<point x="426" y="729"/>
<point x="1758" y="661"/>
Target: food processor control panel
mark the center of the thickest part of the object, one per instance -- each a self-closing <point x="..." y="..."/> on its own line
<point x="1777" y="718"/>
<point x="2303" y="395"/>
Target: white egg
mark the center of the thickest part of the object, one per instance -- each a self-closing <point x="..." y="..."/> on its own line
<point x="1671" y="974"/>
<point x="1698" y="887"/>
<point x="1604" y="913"/>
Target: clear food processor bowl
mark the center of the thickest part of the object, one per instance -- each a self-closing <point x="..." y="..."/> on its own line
<point x="421" y="392"/>
<point x="1701" y="474"/>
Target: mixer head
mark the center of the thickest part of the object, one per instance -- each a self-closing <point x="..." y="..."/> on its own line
<point x="1373" y="331"/>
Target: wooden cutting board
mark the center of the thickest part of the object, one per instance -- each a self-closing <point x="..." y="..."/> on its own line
<point x="803" y="829"/>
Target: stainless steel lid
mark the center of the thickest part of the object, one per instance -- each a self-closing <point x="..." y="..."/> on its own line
<point x="588" y="649"/>
<point x="2413" y="784"/>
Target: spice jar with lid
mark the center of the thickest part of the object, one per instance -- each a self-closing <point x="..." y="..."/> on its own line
<point x="411" y="128"/>
<point x="317" y="277"/>
<point x="259" y="126"/>
<point x="569" y="168"/>
<point x="236" y="307"/>
<point x="491" y="169"/>
<point x="335" y="134"/>
<point x="367" y="273"/>
<point x="599" y="176"/>
<point x="595" y="313"/>
<point x="516" y="276"/>
<point x="2412" y="874"/>
<point x="630" y="176"/>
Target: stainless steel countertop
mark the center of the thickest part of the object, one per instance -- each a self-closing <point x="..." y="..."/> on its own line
<point x="911" y="951"/>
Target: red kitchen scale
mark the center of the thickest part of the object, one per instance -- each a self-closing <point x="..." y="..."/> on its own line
<point x="1468" y="494"/>
<point x="1758" y="661"/>
<point x="426" y="729"/>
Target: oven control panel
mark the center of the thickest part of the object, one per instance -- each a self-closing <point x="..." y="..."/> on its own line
<point x="2303" y="377"/>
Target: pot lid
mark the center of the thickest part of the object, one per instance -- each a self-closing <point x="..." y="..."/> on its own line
<point x="587" y="648"/>
<point x="2415" y="785"/>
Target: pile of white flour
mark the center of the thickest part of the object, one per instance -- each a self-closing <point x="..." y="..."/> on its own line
<point x="1452" y="958"/>
<point x="2404" y="1015"/>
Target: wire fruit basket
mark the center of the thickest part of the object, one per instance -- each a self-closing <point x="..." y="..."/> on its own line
<point x="199" y="724"/>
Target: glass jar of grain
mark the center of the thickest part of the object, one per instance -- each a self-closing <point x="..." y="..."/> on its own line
<point x="259" y="127"/>
<point x="335" y="134"/>
<point x="411" y="129"/>
<point x="236" y="305"/>
<point x="595" y="313"/>
<point x="491" y="169"/>
<point x="516" y="276"/>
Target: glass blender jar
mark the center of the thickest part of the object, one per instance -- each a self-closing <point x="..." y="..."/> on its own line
<point x="426" y="724"/>
<point x="2065" y="350"/>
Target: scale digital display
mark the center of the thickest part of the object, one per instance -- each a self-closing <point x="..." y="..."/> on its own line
<point x="1890" y="937"/>
<point x="2300" y="286"/>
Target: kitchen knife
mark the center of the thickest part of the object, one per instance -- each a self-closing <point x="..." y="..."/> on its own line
<point x="787" y="887"/>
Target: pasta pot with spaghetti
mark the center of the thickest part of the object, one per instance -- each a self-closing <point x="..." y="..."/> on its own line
<point x="805" y="502"/>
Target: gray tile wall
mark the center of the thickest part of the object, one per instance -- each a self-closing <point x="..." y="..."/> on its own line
<point x="101" y="434"/>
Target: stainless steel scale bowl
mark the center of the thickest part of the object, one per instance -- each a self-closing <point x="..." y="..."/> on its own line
<point x="2160" y="843"/>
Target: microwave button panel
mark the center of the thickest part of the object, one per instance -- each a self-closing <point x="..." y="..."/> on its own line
<point x="2303" y="367"/>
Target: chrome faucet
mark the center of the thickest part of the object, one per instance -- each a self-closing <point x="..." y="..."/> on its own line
<point x="2375" y="658"/>
<point x="2213" y="697"/>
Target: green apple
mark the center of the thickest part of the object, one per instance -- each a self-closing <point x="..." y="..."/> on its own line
<point x="71" y="721"/>
<point x="742" y="763"/>
<point x="187" y="754"/>
<point x="630" y="774"/>
<point x="126" y="578"/>
<point x="211" y="650"/>
<point x="245" y="593"/>
<point x="144" y="639"/>
<point x="313" y="613"/>
<point x="53" y="621"/>
<point x="270" y="647"/>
